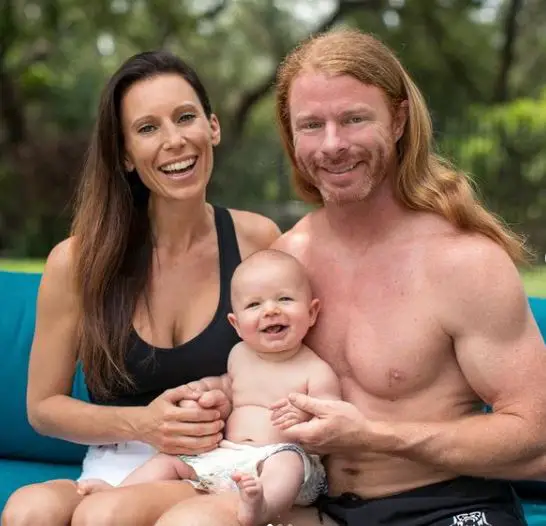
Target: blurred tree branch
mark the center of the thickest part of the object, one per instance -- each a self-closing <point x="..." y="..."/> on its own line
<point x="456" y="63"/>
<point x="253" y="95"/>
<point x="12" y="107"/>
<point x="501" y="93"/>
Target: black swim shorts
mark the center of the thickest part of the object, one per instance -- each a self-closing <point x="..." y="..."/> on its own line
<point x="464" y="501"/>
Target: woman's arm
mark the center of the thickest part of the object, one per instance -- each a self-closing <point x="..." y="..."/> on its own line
<point x="254" y="232"/>
<point x="51" y="410"/>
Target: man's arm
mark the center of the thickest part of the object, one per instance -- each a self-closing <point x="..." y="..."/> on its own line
<point x="482" y="305"/>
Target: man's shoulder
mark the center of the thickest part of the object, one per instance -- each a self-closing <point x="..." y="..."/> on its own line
<point x="466" y="255"/>
<point x="297" y="240"/>
<point x="471" y="275"/>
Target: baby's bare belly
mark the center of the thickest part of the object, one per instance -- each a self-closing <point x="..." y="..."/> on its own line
<point x="251" y="424"/>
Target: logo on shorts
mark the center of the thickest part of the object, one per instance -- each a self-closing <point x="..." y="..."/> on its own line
<point x="475" y="518"/>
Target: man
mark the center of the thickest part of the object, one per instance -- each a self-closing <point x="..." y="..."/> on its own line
<point x="424" y="317"/>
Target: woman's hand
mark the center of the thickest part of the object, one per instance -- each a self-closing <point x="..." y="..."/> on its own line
<point x="176" y="423"/>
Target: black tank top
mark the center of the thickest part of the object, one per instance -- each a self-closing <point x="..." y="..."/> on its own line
<point x="156" y="369"/>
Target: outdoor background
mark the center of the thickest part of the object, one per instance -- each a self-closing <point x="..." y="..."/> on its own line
<point x="481" y="65"/>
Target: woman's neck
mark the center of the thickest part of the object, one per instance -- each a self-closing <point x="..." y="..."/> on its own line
<point x="177" y="225"/>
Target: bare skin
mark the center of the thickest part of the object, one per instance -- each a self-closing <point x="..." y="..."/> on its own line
<point x="421" y="322"/>
<point x="273" y="310"/>
<point x="184" y="294"/>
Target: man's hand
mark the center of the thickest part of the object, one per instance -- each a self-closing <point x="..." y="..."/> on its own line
<point x="335" y="426"/>
<point x="285" y="415"/>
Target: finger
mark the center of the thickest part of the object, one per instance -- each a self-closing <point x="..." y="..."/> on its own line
<point x="197" y="386"/>
<point x="191" y="445"/>
<point x="314" y="406"/>
<point x="193" y="414"/>
<point x="283" y="418"/>
<point x="182" y="392"/>
<point x="283" y="402"/>
<point x="191" y="429"/>
<point x="287" y="424"/>
<point x="213" y="398"/>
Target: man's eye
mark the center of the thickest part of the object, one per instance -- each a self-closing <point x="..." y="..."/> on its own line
<point x="355" y="119"/>
<point x="312" y="125"/>
<point x="186" y="117"/>
<point x="147" y="128"/>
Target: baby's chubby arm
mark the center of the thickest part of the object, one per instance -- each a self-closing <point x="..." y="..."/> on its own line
<point x="322" y="383"/>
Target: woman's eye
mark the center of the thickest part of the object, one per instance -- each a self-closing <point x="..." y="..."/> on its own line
<point x="147" y="128"/>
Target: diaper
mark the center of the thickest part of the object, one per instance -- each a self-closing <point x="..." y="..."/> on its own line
<point x="214" y="469"/>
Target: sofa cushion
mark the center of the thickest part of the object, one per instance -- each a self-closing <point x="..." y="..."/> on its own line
<point x="17" y="473"/>
<point x="538" y="306"/>
<point x="17" y="317"/>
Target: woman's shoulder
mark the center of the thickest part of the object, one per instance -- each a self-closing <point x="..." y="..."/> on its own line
<point x="254" y="231"/>
<point x="60" y="261"/>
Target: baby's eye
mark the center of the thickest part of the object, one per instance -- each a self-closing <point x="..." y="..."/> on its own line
<point x="147" y="128"/>
<point x="286" y="298"/>
<point x="252" y="304"/>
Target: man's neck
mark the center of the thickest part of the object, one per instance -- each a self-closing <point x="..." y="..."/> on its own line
<point x="373" y="219"/>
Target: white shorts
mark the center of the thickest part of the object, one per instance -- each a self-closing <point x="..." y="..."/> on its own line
<point x="113" y="462"/>
<point x="214" y="469"/>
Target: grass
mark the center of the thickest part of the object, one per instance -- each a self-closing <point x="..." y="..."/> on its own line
<point x="534" y="279"/>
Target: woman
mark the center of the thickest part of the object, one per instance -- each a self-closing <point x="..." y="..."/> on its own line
<point x="139" y="294"/>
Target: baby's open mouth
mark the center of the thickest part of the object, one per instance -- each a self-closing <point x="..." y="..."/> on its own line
<point x="275" y="329"/>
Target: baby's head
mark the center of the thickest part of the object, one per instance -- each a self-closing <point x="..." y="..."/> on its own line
<point x="273" y="306"/>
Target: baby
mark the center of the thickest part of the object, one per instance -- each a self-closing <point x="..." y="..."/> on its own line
<point x="273" y="308"/>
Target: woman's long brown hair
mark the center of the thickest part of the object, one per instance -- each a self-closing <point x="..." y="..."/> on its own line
<point x="111" y="228"/>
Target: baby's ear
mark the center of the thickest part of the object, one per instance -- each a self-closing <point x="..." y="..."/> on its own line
<point x="233" y="320"/>
<point x="314" y="308"/>
<point x="234" y="323"/>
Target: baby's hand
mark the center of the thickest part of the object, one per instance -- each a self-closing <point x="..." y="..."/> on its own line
<point x="284" y="415"/>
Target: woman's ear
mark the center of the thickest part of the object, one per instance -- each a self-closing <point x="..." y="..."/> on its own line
<point x="129" y="165"/>
<point x="215" y="129"/>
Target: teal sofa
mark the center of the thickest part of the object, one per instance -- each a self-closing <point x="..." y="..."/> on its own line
<point x="26" y="457"/>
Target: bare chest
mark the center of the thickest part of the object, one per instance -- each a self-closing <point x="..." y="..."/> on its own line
<point x="377" y="328"/>
<point x="257" y="382"/>
<point x="182" y="301"/>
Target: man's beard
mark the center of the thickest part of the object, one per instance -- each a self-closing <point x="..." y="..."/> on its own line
<point x="373" y="173"/>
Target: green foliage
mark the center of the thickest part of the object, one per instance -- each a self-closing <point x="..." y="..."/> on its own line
<point x="503" y="147"/>
<point x="55" y="56"/>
